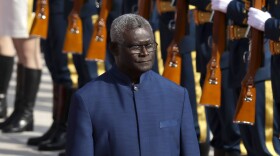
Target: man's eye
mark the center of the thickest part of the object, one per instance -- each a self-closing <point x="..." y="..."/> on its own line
<point x="149" y="45"/>
<point x="135" y="48"/>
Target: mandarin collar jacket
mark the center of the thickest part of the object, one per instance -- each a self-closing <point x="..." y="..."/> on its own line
<point x="111" y="117"/>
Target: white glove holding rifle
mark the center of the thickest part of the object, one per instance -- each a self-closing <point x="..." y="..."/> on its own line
<point x="257" y="18"/>
<point x="220" y="5"/>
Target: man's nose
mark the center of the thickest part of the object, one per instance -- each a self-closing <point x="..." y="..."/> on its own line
<point x="144" y="51"/>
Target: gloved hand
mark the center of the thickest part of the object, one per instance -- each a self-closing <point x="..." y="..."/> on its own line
<point x="257" y="18"/>
<point x="220" y="5"/>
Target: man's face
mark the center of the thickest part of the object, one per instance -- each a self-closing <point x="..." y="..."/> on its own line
<point x="136" y="54"/>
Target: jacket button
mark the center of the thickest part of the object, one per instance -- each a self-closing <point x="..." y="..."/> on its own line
<point x="135" y="88"/>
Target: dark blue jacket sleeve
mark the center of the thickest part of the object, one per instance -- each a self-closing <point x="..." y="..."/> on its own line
<point x="79" y="130"/>
<point x="189" y="143"/>
<point x="236" y="12"/>
<point x="272" y="29"/>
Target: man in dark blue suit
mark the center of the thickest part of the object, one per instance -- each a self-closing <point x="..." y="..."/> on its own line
<point x="130" y="110"/>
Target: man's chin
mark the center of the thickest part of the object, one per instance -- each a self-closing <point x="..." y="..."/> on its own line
<point x="144" y="69"/>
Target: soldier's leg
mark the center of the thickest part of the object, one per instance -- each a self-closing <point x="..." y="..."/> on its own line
<point x="225" y="134"/>
<point x="62" y="85"/>
<point x="275" y="76"/>
<point x="56" y="62"/>
<point x="154" y="21"/>
<point x="230" y="131"/>
<point x="200" y="123"/>
<point x="87" y="70"/>
<point x="166" y="28"/>
<point x="254" y="136"/>
<point x="261" y="138"/>
<point x="188" y="80"/>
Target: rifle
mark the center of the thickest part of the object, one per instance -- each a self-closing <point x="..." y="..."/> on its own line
<point x="211" y="91"/>
<point x="172" y="67"/>
<point x="41" y="22"/>
<point x="246" y="106"/>
<point x="74" y="35"/>
<point x="144" y="8"/>
<point x="97" y="47"/>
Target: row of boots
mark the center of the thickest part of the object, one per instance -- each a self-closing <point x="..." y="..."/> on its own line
<point x="55" y="137"/>
<point x="28" y="81"/>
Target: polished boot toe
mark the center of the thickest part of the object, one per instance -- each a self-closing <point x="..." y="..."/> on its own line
<point x="9" y="120"/>
<point x="19" y="124"/>
<point x="58" y="142"/>
<point x="36" y="141"/>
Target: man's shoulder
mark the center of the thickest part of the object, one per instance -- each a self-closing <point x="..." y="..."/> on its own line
<point x="166" y="82"/>
<point x="95" y="84"/>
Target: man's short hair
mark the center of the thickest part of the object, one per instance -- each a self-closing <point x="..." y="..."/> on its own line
<point x="125" y="23"/>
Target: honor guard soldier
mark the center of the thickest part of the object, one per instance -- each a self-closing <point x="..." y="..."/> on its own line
<point x="167" y="20"/>
<point x="257" y="138"/>
<point x="269" y="23"/>
<point x="226" y="135"/>
<point x="61" y="71"/>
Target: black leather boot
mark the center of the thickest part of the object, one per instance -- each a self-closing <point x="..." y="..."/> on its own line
<point x="47" y="135"/>
<point x="6" y="68"/>
<point x="23" y="118"/>
<point x="18" y="98"/>
<point x="204" y="149"/>
<point x="58" y="140"/>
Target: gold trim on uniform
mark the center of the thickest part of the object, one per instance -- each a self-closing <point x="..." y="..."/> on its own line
<point x="191" y="7"/>
<point x="269" y="118"/>
<point x="94" y="18"/>
<point x="100" y="67"/>
<point x="243" y="150"/>
<point x="73" y="71"/>
<point x="159" y="57"/>
<point x="200" y="109"/>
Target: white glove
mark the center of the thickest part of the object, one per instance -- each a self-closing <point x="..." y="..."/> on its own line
<point x="257" y="18"/>
<point x="220" y="5"/>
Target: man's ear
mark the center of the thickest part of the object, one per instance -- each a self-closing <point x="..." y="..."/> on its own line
<point x="114" y="48"/>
